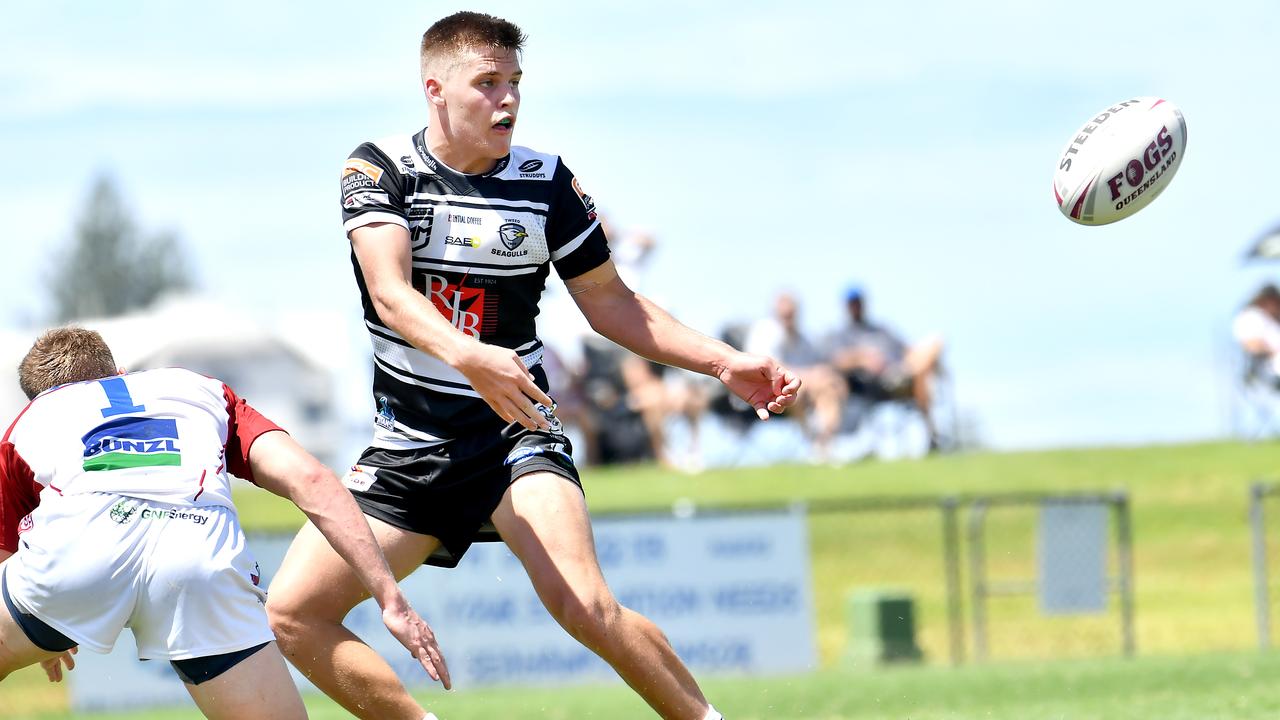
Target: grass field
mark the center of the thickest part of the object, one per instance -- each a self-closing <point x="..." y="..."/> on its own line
<point x="1193" y="590"/>
<point x="1237" y="686"/>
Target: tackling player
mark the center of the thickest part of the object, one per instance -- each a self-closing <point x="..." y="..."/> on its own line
<point x="115" y="511"/>
<point x="453" y="233"/>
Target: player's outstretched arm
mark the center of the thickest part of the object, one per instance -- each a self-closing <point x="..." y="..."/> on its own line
<point x="281" y="466"/>
<point x="496" y="373"/>
<point x="634" y="322"/>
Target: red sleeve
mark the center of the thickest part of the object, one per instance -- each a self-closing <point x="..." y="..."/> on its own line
<point x="19" y="494"/>
<point x="244" y="425"/>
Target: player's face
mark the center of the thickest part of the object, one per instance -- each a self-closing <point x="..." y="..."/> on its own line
<point x="482" y="98"/>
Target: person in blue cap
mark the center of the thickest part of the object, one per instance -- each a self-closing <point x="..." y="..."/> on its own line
<point x="879" y="365"/>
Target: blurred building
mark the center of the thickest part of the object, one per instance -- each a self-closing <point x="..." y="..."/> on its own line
<point x="283" y="379"/>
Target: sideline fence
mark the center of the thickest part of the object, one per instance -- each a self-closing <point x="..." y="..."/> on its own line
<point x="916" y="543"/>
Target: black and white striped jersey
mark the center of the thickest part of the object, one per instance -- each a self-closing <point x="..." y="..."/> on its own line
<point x="482" y="246"/>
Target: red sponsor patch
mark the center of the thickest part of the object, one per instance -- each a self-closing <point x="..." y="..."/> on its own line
<point x="470" y="309"/>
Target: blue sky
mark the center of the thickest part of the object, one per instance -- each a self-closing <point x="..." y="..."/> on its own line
<point x="905" y="146"/>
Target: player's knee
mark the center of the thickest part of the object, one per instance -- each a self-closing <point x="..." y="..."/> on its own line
<point x="287" y="621"/>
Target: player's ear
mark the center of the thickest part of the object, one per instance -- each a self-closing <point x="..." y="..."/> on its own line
<point x="432" y="88"/>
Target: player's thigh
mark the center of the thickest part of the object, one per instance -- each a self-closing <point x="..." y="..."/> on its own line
<point x="257" y="687"/>
<point x="16" y="649"/>
<point x="313" y="576"/>
<point x="543" y="518"/>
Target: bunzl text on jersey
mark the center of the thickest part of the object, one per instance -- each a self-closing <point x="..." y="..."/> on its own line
<point x="130" y="442"/>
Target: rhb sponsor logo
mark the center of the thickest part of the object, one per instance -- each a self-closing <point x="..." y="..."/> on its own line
<point x="130" y="442"/>
<point x="470" y="309"/>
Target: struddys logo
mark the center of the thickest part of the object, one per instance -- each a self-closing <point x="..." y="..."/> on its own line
<point x="132" y="442"/>
<point x="512" y="235"/>
<point x="1143" y="172"/>
<point x="468" y="308"/>
<point x="532" y="170"/>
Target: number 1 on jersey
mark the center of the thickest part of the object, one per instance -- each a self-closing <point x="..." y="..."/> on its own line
<point x="119" y="397"/>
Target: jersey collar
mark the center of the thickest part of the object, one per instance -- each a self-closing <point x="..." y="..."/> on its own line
<point x="438" y="166"/>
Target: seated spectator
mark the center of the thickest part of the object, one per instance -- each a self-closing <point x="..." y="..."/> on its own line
<point x="1257" y="329"/>
<point x="822" y="401"/>
<point x="878" y="365"/>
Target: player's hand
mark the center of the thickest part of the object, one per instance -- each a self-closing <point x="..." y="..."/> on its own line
<point x="416" y="636"/>
<point x="505" y="383"/>
<point x="761" y="382"/>
<point x="53" y="666"/>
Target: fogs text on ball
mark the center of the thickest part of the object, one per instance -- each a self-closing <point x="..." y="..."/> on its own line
<point x="1120" y="160"/>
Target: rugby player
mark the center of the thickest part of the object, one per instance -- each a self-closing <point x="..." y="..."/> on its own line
<point x="453" y="233"/>
<point x="115" y="511"/>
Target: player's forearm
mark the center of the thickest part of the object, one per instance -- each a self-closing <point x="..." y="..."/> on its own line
<point x="636" y="323"/>
<point x="415" y="319"/>
<point x="335" y="514"/>
<point x="5" y="555"/>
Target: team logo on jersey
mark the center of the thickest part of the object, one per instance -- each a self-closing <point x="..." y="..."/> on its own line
<point x="386" y="418"/>
<point x="131" y="442"/>
<point x="512" y="234"/>
<point x="364" y="167"/>
<point x="587" y="202"/>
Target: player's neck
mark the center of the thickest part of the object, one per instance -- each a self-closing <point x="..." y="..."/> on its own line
<point x="456" y="156"/>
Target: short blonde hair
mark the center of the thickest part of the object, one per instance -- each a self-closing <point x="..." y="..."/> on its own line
<point x="64" y="355"/>
<point x="445" y="42"/>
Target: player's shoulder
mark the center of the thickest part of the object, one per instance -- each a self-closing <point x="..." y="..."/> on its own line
<point x="392" y="153"/>
<point x="528" y="164"/>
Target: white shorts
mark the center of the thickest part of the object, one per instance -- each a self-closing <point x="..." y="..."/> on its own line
<point x="181" y="578"/>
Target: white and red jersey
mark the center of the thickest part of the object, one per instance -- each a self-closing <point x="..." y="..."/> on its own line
<point x="169" y="435"/>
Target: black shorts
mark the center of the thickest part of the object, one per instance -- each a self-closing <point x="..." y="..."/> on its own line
<point x="450" y="490"/>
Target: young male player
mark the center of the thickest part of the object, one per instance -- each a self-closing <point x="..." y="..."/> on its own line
<point x="115" y="511"/>
<point x="453" y="233"/>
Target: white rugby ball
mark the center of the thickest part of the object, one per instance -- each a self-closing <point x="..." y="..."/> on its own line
<point x="1120" y="160"/>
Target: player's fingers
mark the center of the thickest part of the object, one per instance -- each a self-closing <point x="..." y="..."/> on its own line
<point x="424" y="659"/>
<point x="528" y="415"/>
<point x="762" y="412"/>
<point x="442" y="667"/>
<point x="69" y="661"/>
<point x="777" y="408"/>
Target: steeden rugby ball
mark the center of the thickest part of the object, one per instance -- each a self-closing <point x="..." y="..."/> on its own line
<point x="1120" y="160"/>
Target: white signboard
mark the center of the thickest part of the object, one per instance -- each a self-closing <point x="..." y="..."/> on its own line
<point x="732" y="592"/>
<point x="1073" y="558"/>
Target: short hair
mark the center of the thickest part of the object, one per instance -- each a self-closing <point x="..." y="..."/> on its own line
<point x="64" y="355"/>
<point x="450" y="37"/>
<point x="1266" y="294"/>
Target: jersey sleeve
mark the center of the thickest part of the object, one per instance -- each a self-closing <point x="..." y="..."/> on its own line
<point x="371" y="190"/>
<point x="19" y="495"/>
<point x="244" y="425"/>
<point x="574" y="236"/>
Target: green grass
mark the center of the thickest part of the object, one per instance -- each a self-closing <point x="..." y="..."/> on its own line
<point x="1194" y="591"/>
<point x="1209" y="687"/>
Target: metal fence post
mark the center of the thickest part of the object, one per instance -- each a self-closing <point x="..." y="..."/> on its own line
<point x="951" y="551"/>
<point x="1261" y="581"/>
<point x="978" y="578"/>
<point x="1124" y="556"/>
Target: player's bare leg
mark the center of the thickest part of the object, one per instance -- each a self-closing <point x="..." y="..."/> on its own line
<point x="16" y="649"/>
<point x="257" y="688"/>
<point x="309" y="597"/>
<point x="543" y="519"/>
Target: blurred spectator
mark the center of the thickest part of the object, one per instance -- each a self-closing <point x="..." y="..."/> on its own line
<point x="1257" y="329"/>
<point x="878" y="365"/>
<point x="822" y="400"/>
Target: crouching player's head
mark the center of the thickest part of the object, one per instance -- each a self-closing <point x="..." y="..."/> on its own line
<point x="64" y="355"/>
